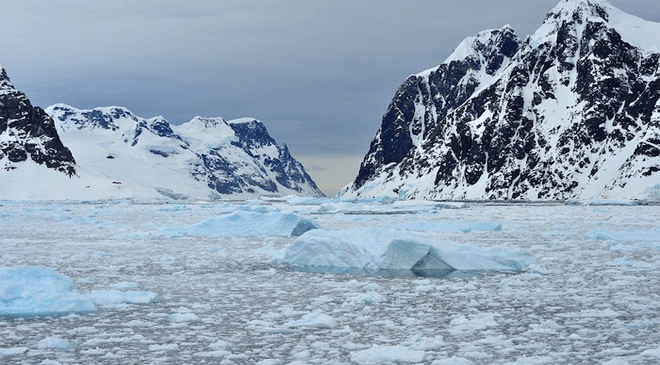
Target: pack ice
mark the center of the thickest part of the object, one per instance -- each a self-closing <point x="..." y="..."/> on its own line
<point x="371" y="250"/>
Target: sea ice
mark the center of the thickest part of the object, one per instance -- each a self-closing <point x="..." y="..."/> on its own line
<point x="38" y="291"/>
<point x="184" y="314"/>
<point x="452" y="361"/>
<point x="616" y="362"/>
<point x="166" y="347"/>
<point x="450" y="227"/>
<point x="589" y="303"/>
<point x="653" y="353"/>
<point x="220" y="344"/>
<point x="50" y="362"/>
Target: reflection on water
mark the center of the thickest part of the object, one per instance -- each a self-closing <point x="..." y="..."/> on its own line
<point x="431" y="273"/>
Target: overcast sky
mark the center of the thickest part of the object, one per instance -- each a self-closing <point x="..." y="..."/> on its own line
<point x="320" y="74"/>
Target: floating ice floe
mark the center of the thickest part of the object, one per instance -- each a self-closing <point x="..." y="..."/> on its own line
<point x="655" y="353"/>
<point x="38" y="291"/>
<point x="596" y="203"/>
<point x="11" y="351"/>
<point x="54" y="343"/>
<point x="314" y="320"/>
<point x="379" y="251"/>
<point x="378" y="354"/>
<point x="184" y="314"/>
<point x="241" y="223"/>
<point x="380" y="205"/>
<point x="115" y="297"/>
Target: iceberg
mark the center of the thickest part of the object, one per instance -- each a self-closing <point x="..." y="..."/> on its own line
<point x="38" y="291"/>
<point x="379" y="251"/>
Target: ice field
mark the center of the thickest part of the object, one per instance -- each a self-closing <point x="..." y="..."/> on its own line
<point x="213" y="283"/>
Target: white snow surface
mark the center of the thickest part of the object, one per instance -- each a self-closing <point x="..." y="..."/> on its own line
<point x="636" y="31"/>
<point x="591" y="297"/>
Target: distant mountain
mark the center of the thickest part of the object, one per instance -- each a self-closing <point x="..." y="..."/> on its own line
<point x="205" y="158"/>
<point x="119" y="155"/>
<point x="571" y="112"/>
<point x="28" y="133"/>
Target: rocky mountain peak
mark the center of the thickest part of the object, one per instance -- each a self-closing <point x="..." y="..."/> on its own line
<point x="209" y="122"/>
<point x="28" y="133"/>
<point x="488" y="47"/>
<point x="3" y="76"/>
<point x="578" y="10"/>
<point x="569" y="113"/>
<point x="252" y="133"/>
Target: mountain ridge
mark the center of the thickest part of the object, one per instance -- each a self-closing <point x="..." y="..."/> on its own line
<point x="235" y="158"/>
<point x="119" y="155"/>
<point x="570" y="112"/>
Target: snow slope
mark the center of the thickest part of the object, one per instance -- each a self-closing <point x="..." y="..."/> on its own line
<point x="206" y="158"/>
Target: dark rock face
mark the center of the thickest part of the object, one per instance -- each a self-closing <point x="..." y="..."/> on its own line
<point x="571" y="112"/>
<point x="226" y="177"/>
<point x="27" y="132"/>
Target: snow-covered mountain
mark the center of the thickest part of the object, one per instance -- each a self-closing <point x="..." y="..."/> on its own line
<point x="27" y="133"/>
<point x="120" y="155"/>
<point x="205" y="158"/>
<point x="571" y="111"/>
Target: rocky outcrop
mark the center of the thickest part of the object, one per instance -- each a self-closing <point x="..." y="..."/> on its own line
<point x="28" y="133"/>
